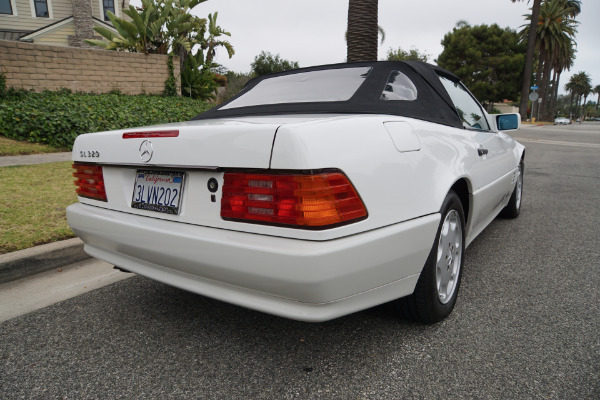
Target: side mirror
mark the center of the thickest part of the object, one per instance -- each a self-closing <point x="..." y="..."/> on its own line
<point x="507" y="122"/>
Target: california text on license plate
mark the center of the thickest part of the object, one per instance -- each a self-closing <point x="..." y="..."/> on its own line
<point x="157" y="190"/>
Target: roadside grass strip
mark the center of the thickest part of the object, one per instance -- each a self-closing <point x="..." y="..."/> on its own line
<point x="10" y="147"/>
<point x="33" y="199"/>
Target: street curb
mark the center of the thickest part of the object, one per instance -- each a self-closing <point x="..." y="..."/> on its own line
<point x="22" y="263"/>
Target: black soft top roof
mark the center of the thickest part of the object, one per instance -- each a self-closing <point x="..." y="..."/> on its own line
<point x="432" y="104"/>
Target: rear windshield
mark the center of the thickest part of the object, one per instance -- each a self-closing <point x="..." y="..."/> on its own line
<point x="314" y="86"/>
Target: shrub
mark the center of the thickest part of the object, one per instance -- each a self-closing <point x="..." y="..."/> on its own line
<point x="235" y="83"/>
<point x="2" y="85"/>
<point x="267" y="63"/>
<point x="57" y="118"/>
<point x="170" y="85"/>
<point x="197" y="81"/>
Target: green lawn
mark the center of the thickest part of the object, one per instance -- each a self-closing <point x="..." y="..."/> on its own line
<point x="33" y="199"/>
<point x="10" y="147"/>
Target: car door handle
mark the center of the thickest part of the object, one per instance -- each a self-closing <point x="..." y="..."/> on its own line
<point x="481" y="151"/>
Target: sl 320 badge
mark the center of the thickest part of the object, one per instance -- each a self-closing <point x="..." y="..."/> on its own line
<point x="89" y="154"/>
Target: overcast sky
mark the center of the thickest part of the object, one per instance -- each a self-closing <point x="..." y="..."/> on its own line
<point x="312" y="31"/>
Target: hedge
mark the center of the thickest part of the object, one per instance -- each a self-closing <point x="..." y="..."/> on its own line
<point x="57" y="118"/>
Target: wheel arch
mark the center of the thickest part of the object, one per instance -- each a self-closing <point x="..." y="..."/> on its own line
<point x="521" y="153"/>
<point x="462" y="188"/>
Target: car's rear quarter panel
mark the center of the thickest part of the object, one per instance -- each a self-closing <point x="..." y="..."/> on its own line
<point x="395" y="186"/>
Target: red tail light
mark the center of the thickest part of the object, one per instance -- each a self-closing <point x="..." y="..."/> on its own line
<point x="316" y="201"/>
<point x="90" y="181"/>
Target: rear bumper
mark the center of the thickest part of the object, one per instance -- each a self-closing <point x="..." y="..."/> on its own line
<point x="299" y="279"/>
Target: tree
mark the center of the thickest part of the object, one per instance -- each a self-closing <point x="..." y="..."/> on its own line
<point x="529" y="55"/>
<point x="168" y="27"/>
<point x="197" y="81"/>
<point x="362" y="30"/>
<point x="574" y="6"/>
<point x="579" y="86"/>
<point x="197" y="73"/>
<point x="212" y="42"/>
<point x="597" y="91"/>
<point x="267" y="63"/>
<point x="402" y="55"/>
<point x="157" y="28"/>
<point x="235" y="82"/>
<point x="562" y="62"/>
<point x="555" y="42"/>
<point x="571" y="87"/>
<point x="488" y="59"/>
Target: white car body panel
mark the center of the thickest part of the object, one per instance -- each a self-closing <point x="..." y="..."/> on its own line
<point x="402" y="168"/>
<point x="232" y="143"/>
<point x="307" y="280"/>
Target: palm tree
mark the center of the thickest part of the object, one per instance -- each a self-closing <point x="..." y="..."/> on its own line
<point x="212" y="42"/>
<point x="362" y="30"/>
<point x="574" y="6"/>
<point x="157" y="28"/>
<point x="586" y="91"/>
<point x="566" y="56"/>
<point x="597" y="91"/>
<point x="555" y="36"/>
<point x="579" y="85"/>
<point x="564" y="61"/>
<point x="535" y="12"/>
<point x="143" y="34"/>
<point x="571" y="87"/>
<point x="559" y="43"/>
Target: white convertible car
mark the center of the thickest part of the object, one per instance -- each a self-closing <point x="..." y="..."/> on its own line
<point x="312" y="194"/>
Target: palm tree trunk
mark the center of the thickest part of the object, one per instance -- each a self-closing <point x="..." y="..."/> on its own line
<point x="182" y="58"/>
<point x="362" y="30"/>
<point x="571" y="104"/>
<point x="535" y="14"/>
<point x="556" y="82"/>
<point x="547" y="93"/>
<point x="538" y="82"/>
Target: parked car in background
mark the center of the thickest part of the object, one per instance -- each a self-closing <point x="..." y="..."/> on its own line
<point x="312" y="194"/>
<point x="562" y="121"/>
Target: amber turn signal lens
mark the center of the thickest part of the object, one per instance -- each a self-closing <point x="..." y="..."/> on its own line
<point x="296" y="200"/>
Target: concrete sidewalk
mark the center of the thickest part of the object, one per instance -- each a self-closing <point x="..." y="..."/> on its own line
<point x="8" y="161"/>
<point x="20" y="264"/>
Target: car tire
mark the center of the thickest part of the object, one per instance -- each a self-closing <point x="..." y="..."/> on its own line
<point x="437" y="288"/>
<point x="513" y="208"/>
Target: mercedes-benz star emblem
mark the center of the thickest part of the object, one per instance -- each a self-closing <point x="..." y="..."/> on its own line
<point x="146" y="150"/>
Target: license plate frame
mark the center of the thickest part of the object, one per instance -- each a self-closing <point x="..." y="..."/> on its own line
<point x="158" y="190"/>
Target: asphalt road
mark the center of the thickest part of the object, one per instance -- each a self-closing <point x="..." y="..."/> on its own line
<point x="526" y="324"/>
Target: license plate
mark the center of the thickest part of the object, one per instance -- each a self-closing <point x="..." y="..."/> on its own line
<point x="158" y="191"/>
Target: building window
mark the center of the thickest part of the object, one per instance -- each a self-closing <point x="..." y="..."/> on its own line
<point x="109" y="5"/>
<point x="6" y="7"/>
<point x="41" y="8"/>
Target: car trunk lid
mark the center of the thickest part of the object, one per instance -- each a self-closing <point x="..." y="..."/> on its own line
<point x="198" y="145"/>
